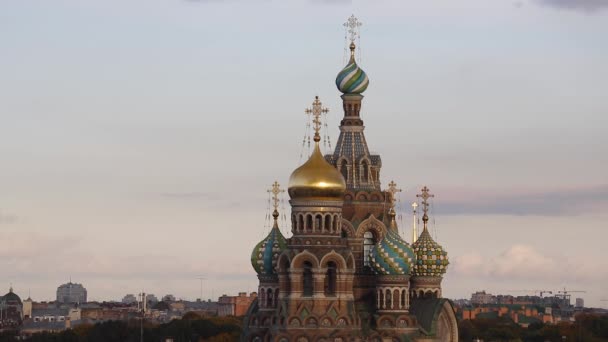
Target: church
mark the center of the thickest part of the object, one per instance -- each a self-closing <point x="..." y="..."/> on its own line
<point x="346" y="274"/>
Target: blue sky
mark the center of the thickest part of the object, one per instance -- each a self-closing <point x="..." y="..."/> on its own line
<point x="138" y="138"/>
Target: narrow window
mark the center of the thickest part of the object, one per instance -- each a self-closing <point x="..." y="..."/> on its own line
<point x="330" y="279"/>
<point x="269" y="298"/>
<point x="368" y="244"/>
<point x="365" y="172"/>
<point x="307" y="279"/>
<point x="344" y="171"/>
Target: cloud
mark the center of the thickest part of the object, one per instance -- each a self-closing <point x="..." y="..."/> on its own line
<point x="557" y="202"/>
<point x="577" y="5"/>
<point x="523" y="262"/>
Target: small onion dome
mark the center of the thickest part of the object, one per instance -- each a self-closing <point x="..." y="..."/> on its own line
<point x="352" y="79"/>
<point x="431" y="259"/>
<point x="316" y="179"/>
<point x="392" y="255"/>
<point x="266" y="253"/>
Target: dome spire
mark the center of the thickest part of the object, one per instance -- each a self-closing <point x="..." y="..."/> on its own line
<point x="352" y="79"/>
<point x="316" y="111"/>
<point x="275" y="191"/>
<point x="316" y="178"/>
<point x="425" y="195"/>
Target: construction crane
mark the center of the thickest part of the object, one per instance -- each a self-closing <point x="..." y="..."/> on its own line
<point x="565" y="295"/>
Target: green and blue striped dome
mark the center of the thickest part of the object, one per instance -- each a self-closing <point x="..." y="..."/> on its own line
<point x="266" y="253"/>
<point x="431" y="259"/>
<point x="392" y="255"/>
<point x="352" y="79"/>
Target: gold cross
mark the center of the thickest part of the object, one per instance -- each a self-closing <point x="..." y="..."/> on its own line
<point x="425" y="196"/>
<point x="275" y="191"/>
<point x="392" y="188"/>
<point x="316" y="111"/>
<point x="352" y="27"/>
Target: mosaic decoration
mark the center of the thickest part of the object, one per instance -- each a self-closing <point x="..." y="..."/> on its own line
<point x="431" y="259"/>
<point x="392" y="255"/>
<point x="266" y="252"/>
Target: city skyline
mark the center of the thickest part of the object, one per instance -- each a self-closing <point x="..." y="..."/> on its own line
<point x="124" y="130"/>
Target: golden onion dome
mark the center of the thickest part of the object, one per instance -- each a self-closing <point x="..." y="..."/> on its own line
<point x="316" y="179"/>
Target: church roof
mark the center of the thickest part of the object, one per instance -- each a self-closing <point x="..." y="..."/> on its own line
<point x="427" y="312"/>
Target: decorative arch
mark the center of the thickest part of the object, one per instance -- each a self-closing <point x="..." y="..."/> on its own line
<point x="283" y="262"/>
<point x="347" y="228"/>
<point x="373" y="225"/>
<point x="335" y="257"/>
<point x="376" y="196"/>
<point x="303" y="256"/>
<point x="386" y="322"/>
<point x="362" y="196"/>
<point x="446" y="325"/>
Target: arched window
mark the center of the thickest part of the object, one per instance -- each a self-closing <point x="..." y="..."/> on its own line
<point x="389" y="300"/>
<point x="318" y="222"/>
<point x="328" y="227"/>
<point x="309" y="223"/>
<point x="307" y="279"/>
<point x="300" y="223"/>
<point x="344" y="171"/>
<point x="368" y="244"/>
<point x="269" y="298"/>
<point x="403" y="294"/>
<point x="365" y="171"/>
<point x="330" y="279"/>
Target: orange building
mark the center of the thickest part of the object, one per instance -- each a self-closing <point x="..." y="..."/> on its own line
<point x="235" y="305"/>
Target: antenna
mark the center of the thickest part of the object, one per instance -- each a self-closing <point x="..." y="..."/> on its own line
<point x="201" y="278"/>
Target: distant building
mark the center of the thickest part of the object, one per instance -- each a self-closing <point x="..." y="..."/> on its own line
<point x="151" y="300"/>
<point x="481" y="297"/>
<point x="71" y="293"/>
<point x="169" y="298"/>
<point x="11" y="309"/>
<point x="580" y="303"/>
<point x="235" y="305"/>
<point x="129" y="299"/>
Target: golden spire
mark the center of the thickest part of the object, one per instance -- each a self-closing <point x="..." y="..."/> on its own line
<point x="316" y="111"/>
<point x="425" y="195"/>
<point x="393" y="190"/>
<point x="414" y="230"/>
<point x="275" y="191"/>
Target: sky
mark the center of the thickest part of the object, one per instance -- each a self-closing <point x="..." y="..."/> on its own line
<point x="138" y="138"/>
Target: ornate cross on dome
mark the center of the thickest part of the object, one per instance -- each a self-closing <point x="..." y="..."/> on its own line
<point x="392" y="188"/>
<point x="275" y="191"/>
<point x="352" y="27"/>
<point x="425" y="195"/>
<point x="316" y="111"/>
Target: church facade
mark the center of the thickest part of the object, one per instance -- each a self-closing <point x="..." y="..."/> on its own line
<point x="346" y="274"/>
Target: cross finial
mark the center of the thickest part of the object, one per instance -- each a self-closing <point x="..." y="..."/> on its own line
<point x="425" y="195"/>
<point x="316" y="111"/>
<point x="352" y="28"/>
<point x="392" y="188"/>
<point x="275" y="191"/>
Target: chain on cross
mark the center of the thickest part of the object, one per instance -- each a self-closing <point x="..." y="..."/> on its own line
<point x="352" y="27"/>
<point x="425" y="195"/>
<point x="316" y="111"/>
<point x="276" y="191"/>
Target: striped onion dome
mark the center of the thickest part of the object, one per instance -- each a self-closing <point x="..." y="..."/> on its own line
<point x="431" y="259"/>
<point x="392" y="255"/>
<point x="266" y="253"/>
<point x="352" y="79"/>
